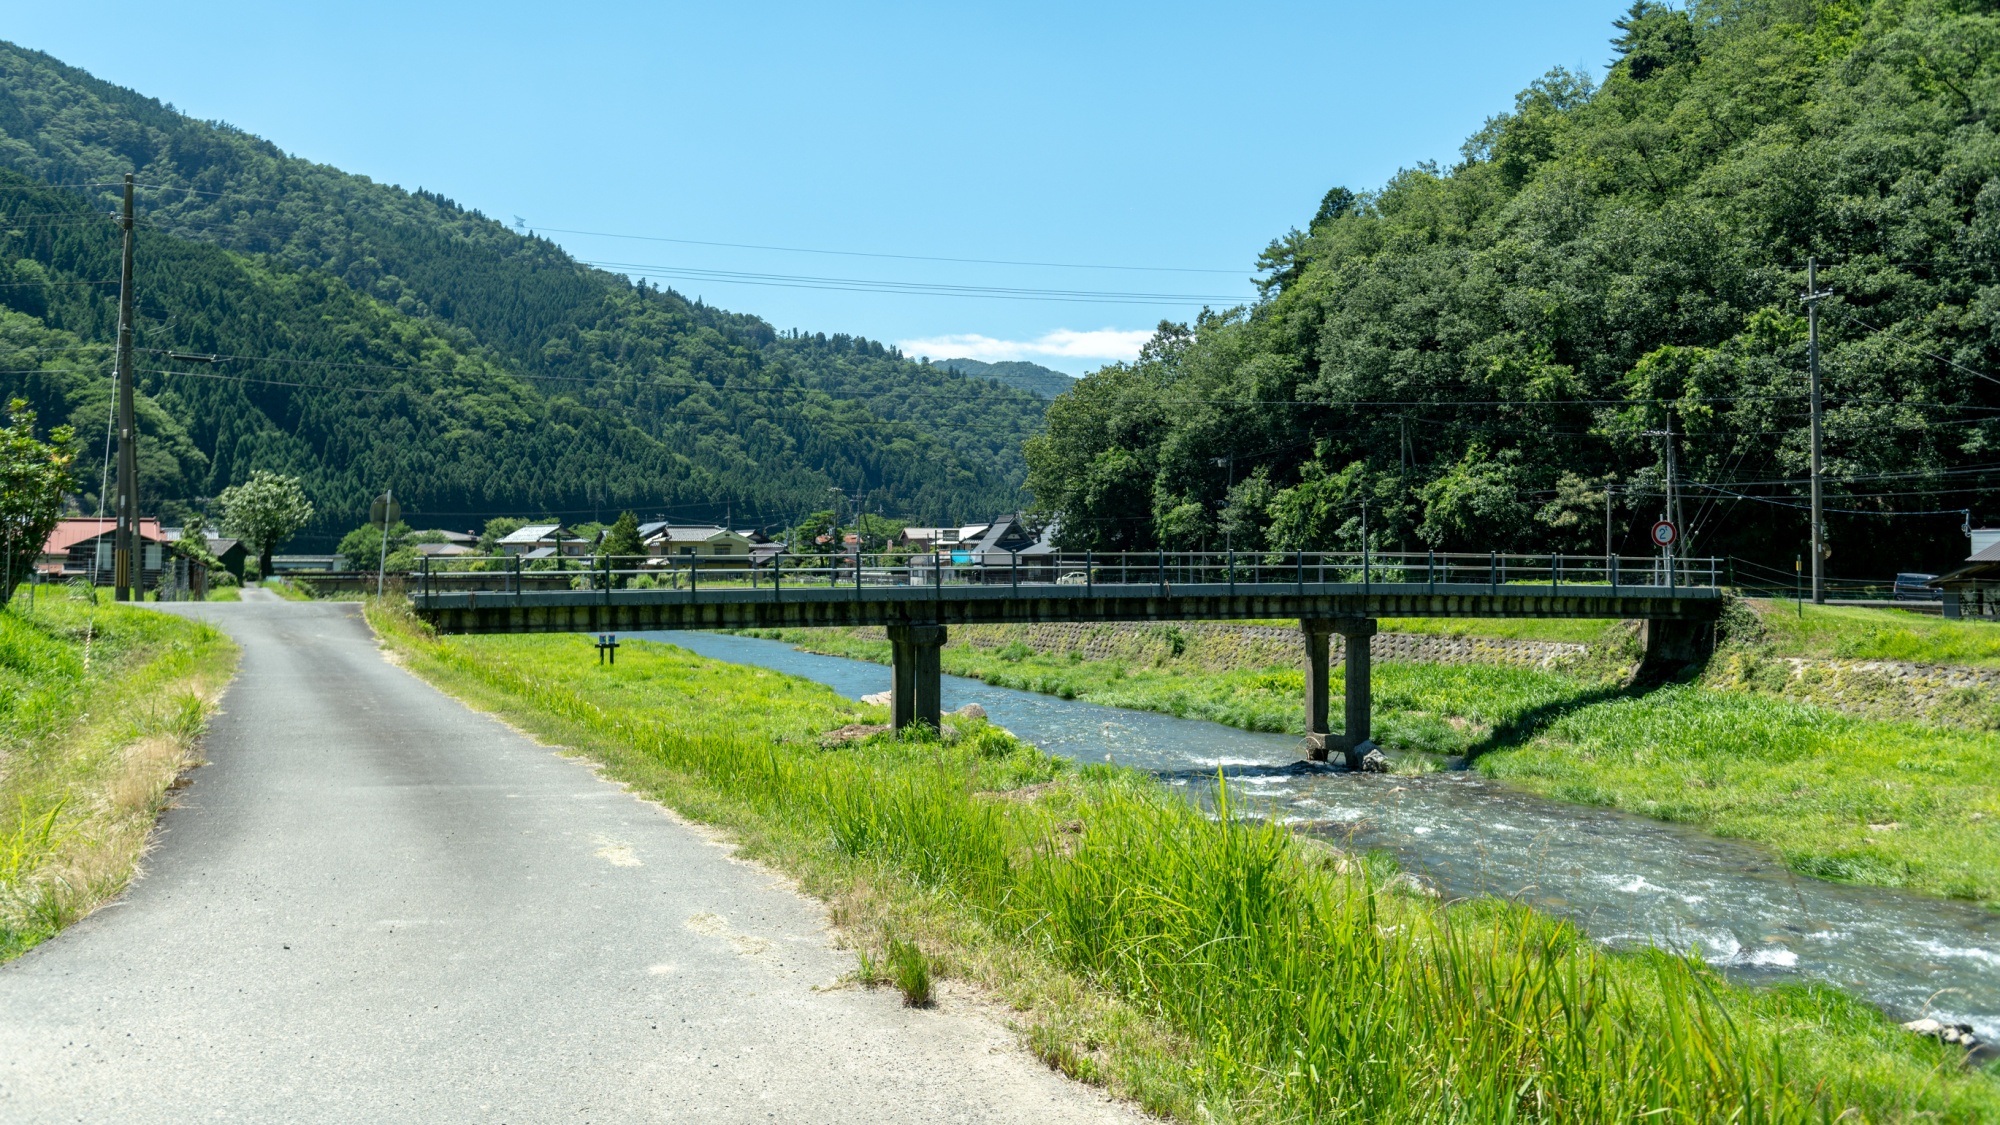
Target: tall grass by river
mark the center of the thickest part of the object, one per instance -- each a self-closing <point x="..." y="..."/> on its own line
<point x="1886" y="802"/>
<point x="1281" y="980"/>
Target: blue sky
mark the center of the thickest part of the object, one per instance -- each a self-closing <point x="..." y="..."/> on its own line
<point x="1101" y="135"/>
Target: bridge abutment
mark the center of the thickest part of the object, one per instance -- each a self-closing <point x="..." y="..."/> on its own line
<point x="917" y="682"/>
<point x="1354" y="742"/>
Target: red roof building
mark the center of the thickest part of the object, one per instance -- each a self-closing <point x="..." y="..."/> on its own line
<point x="81" y="548"/>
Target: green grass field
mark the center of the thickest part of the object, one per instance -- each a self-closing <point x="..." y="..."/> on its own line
<point x="101" y="707"/>
<point x="1211" y="970"/>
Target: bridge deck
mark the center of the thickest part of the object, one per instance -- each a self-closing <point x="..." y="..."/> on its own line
<point x="742" y="607"/>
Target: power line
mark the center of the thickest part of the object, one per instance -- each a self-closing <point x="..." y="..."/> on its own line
<point x="914" y="288"/>
<point x="877" y="254"/>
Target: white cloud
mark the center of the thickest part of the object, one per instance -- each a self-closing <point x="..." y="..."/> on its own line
<point x="1063" y="343"/>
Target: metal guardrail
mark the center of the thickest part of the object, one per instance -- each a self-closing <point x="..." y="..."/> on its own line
<point x="1080" y="572"/>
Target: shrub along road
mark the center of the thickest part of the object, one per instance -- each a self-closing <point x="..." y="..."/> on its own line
<point x="375" y="904"/>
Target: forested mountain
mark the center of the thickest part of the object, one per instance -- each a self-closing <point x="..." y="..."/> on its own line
<point x="1481" y="350"/>
<point x="1033" y="378"/>
<point x="397" y="339"/>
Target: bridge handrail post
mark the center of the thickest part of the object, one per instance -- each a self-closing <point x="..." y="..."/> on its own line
<point x="1163" y="572"/>
<point x="1430" y="572"/>
<point x="1555" y="573"/>
<point x="424" y="579"/>
<point x="1300" y="558"/>
<point x="1089" y="579"/>
<point x="1365" y="576"/>
<point x="1493" y="572"/>
<point x="937" y="576"/>
<point x="1229" y="564"/>
<point x="1014" y="570"/>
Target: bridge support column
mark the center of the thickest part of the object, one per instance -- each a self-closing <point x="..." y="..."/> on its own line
<point x="916" y="687"/>
<point x="1354" y="741"/>
<point x="1673" y="648"/>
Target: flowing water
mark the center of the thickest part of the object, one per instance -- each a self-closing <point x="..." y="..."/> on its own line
<point x="1625" y="879"/>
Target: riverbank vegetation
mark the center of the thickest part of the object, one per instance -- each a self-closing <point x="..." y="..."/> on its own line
<point x="1210" y="969"/>
<point x="1887" y="802"/>
<point x="101" y="709"/>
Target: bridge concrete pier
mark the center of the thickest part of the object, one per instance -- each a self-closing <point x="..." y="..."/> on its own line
<point x="917" y="682"/>
<point x="1353" y="742"/>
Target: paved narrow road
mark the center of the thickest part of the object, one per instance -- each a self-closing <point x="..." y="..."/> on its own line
<point x="374" y="905"/>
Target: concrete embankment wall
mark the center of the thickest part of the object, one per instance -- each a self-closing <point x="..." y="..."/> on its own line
<point x="1946" y="694"/>
<point x="1218" y="647"/>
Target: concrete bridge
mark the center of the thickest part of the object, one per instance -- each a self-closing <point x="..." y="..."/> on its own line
<point x="918" y="600"/>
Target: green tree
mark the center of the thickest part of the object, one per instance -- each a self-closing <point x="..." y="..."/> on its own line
<point x="362" y="547"/>
<point x="264" y="511"/>
<point x="34" y="475"/>
<point x="621" y="539"/>
<point x="498" y="528"/>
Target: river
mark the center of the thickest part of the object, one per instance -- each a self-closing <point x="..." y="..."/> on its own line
<point x="1625" y="879"/>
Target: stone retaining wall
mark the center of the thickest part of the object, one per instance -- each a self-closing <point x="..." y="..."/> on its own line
<point x="1220" y="646"/>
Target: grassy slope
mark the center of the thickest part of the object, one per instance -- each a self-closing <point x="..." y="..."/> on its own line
<point x="89" y="747"/>
<point x="1850" y="633"/>
<point x="1212" y="971"/>
<point x="1882" y="802"/>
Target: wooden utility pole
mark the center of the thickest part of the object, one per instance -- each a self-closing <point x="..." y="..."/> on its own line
<point x="1811" y="301"/>
<point x="127" y="564"/>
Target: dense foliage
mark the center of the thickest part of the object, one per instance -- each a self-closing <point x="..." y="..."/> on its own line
<point x="403" y="341"/>
<point x="1479" y="351"/>
<point x="34" y="478"/>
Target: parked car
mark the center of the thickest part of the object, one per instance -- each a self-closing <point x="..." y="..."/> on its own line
<point x="1917" y="588"/>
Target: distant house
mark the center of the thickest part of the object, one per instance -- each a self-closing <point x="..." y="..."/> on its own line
<point x="81" y="548"/>
<point x="446" y="550"/>
<point x="933" y="538"/>
<point x="997" y="552"/>
<point x="1973" y="590"/>
<point x="665" y="540"/>
<point x="532" y="541"/>
<point x="232" y="552"/>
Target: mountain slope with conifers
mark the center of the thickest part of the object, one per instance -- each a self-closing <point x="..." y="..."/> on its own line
<point x="1480" y="352"/>
<point x="487" y="371"/>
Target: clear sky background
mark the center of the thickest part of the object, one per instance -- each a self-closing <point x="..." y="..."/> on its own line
<point x="1104" y="134"/>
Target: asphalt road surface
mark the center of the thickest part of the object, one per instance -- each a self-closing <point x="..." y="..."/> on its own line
<point x="375" y="905"/>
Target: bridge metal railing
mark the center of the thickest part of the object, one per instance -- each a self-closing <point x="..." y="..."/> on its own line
<point x="1080" y="571"/>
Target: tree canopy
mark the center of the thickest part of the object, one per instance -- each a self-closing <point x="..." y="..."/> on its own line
<point x="264" y="511"/>
<point x="1481" y="352"/>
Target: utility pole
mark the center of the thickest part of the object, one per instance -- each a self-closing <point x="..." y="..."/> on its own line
<point x="1228" y="533"/>
<point x="1811" y="300"/>
<point x="1610" y="560"/>
<point x="127" y="567"/>
<point x="382" y="559"/>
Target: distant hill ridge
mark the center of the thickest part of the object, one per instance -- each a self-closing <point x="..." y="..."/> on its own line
<point x="579" y="392"/>
<point x="1037" y="380"/>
